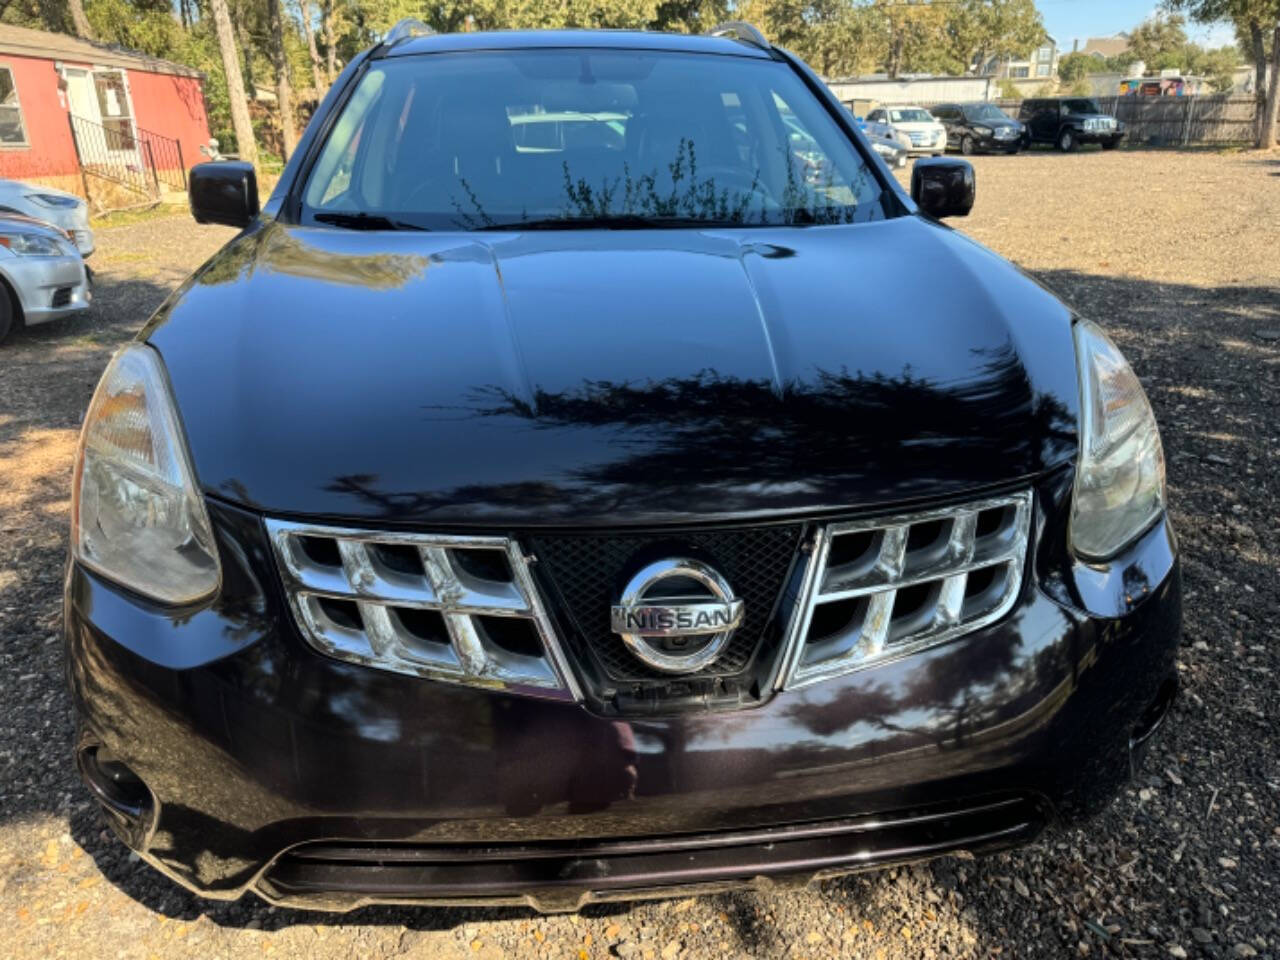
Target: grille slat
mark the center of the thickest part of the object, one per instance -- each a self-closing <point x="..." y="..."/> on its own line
<point x="917" y="593"/>
<point x="368" y="597"/>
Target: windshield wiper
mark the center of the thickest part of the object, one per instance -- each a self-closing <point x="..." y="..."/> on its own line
<point x="364" y="221"/>
<point x="622" y="221"/>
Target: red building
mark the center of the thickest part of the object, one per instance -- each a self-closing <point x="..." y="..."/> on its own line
<point x="67" y="105"/>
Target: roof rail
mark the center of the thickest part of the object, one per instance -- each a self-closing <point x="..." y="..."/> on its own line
<point x="408" y="27"/>
<point x="742" y="31"/>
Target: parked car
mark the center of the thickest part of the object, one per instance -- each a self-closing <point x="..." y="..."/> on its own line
<point x="918" y="125"/>
<point x="569" y="525"/>
<point x="65" y="211"/>
<point x="893" y="152"/>
<point x="1067" y="122"/>
<point x="979" y="127"/>
<point x="42" y="275"/>
<point x="894" y="148"/>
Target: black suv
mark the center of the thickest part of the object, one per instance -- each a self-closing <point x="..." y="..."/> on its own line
<point x="979" y="127"/>
<point x="1067" y="122"/>
<point x="532" y="504"/>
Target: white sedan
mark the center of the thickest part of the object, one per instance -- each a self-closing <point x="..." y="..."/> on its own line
<point x="42" y="275"/>
<point x="65" y="211"/>
<point x="916" y="124"/>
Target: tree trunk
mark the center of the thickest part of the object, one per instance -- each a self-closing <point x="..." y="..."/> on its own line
<point x="250" y="81"/>
<point x="304" y="8"/>
<point x="1273" y="94"/>
<point x="1260" y="80"/>
<point x="330" y="41"/>
<point x="284" y="92"/>
<point x="79" y="20"/>
<point x="240" y="121"/>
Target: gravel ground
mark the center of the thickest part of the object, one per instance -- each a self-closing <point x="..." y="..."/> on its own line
<point x="1179" y="254"/>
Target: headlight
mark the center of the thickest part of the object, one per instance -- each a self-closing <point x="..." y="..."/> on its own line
<point x="981" y="130"/>
<point x="31" y="244"/>
<point x="136" y="515"/>
<point x="54" y="200"/>
<point x="1119" y="490"/>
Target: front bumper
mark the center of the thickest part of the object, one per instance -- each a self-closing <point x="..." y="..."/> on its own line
<point x="1100" y="136"/>
<point x="48" y="288"/>
<point x="932" y="144"/>
<point x="991" y="142"/>
<point x="262" y="765"/>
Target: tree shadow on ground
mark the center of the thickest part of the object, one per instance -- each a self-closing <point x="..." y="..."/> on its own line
<point x="1205" y="355"/>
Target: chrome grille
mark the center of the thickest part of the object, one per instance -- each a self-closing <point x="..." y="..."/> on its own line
<point x="887" y="587"/>
<point x="454" y="608"/>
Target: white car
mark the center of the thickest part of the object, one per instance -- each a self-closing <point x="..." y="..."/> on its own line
<point x="65" y="211"/>
<point x="42" y="275"/>
<point x="916" y="124"/>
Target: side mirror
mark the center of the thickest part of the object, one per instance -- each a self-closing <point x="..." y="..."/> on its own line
<point x="224" y="192"/>
<point x="943" y="186"/>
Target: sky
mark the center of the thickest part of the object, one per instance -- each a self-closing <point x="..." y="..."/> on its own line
<point x="1069" y="19"/>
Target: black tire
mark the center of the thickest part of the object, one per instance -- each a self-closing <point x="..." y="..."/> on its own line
<point x="1012" y="151"/>
<point x="1067" y="141"/>
<point x="966" y="146"/>
<point x="1110" y="144"/>
<point x="8" y="316"/>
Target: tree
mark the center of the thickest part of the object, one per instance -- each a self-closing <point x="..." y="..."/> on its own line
<point x="329" y="20"/>
<point x="79" y="20"/>
<point x="284" y="92"/>
<point x="304" y="13"/>
<point x="912" y="36"/>
<point x="1259" y="21"/>
<point x="981" y="29"/>
<point x="1076" y="66"/>
<point x="245" y="144"/>
<point x="1159" y="41"/>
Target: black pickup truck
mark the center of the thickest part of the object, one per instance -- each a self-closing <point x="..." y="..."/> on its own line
<point x="538" y="502"/>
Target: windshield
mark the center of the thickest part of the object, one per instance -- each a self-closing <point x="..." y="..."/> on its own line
<point x="912" y="115"/>
<point x="985" y="111"/>
<point x="550" y="138"/>
<point x="1081" y="106"/>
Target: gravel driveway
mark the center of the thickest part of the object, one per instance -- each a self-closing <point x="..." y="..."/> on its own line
<point x="1179" y="255"/>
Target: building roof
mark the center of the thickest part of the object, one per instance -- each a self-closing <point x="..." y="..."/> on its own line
<point x="22" y="42"/>
<point x="1106" y="47"/>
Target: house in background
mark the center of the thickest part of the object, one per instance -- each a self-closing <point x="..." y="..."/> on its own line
<point x="1042" y="64"/>
<point x="1104" y="48"/>
<point x="95" y="119"/>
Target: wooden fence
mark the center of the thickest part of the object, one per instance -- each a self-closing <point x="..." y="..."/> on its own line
<point x="1175" y="121"/>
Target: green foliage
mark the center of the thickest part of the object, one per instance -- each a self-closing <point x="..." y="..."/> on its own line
<point x="1010" y="90"/>
<point x="981" y="29"/>
<point x="1158" y="39"/>
<point x="1075" y="66"/>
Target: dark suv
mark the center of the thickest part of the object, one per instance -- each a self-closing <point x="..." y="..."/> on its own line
<point x="1067" y="122"/>
<point x="979" y="127"/>
<point x="532" y="505"/>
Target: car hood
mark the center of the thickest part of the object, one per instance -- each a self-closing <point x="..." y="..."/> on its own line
<point x="918" y="126"/>
<point x="612" y="377"/>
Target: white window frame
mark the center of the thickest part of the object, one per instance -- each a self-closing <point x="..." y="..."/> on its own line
<point x="25" y="143"/>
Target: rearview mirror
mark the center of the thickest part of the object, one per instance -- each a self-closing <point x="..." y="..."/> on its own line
<point x="943" y="186"/>
<point x="224" y="192"/>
